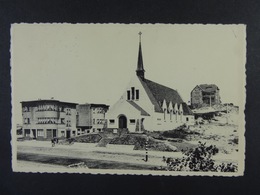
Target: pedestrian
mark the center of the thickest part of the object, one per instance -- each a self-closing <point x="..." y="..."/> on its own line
<point x="164" y="159"/>
<point x="52" y="142"/>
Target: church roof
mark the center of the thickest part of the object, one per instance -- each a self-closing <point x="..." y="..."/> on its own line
<point x="158" y="93"/>
<point x="143" y="112"/>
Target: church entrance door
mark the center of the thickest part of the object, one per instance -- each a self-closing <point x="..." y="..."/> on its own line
<point x="122" y="122"/>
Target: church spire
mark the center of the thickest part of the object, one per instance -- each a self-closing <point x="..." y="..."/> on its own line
<point x="140" y="67"/>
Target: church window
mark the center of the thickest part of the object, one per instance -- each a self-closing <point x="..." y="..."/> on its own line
<point x="133" y="93"/>
<point x="137" y="94"/>
<point x="164" y="114"/>
<point x="132" y="121"/>
<point x="128" y="95"/>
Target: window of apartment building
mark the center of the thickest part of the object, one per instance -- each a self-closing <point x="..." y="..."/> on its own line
<point x="27" y="132"/>
<point x="68" y="123"/>
<point x="62" y="133"/>
<point x="99" y="130"/>
<point x="25" y="109"/>
<point x="187" y="119"/>
<point x="40" y="133"/>
<point x="100" y="110"/>
<point x="137" y="94"/>
<point x="62" y="120"/>
<point x="94" y="129"/>
<point x="100" y="121"/>
<point x="68" y="111"/>
<point x="133" y="93"/>
<point x="93" y="121"/>
<point x="132" y="121"/>
<point x="111" y="121"/>
<point x="74" y="133"/>
<point x="128" y="95"/>
<point x="26" y="121"/>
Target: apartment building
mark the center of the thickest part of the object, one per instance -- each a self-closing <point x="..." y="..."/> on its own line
<point x="46" y="119"/>
<point x="91" y="118"/>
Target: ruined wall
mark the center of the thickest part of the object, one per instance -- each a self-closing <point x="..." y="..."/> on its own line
<point x="196" y="97"/>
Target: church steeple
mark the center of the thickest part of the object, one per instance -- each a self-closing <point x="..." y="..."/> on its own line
<point x="140" y="67"/>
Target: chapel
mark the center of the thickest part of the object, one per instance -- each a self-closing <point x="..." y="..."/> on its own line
<point x="147" y="105"/>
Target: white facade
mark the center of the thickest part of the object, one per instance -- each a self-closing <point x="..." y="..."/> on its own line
<point x="149" y="119"/>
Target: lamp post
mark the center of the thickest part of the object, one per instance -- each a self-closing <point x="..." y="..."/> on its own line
<point x="227" y="113"/>
<point x="146" y="149"/>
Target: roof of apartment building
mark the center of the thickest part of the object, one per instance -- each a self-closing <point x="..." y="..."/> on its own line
<point x="93" y="105"/>
<point x="51" y="101"/>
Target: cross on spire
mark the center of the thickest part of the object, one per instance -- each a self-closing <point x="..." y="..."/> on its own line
<point x="140" y="35"/>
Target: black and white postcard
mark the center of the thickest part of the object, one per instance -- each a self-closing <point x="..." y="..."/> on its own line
<point x="139" y="99"/>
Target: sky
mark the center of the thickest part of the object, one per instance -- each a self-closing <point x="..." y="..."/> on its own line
<point x="93" y="63"/>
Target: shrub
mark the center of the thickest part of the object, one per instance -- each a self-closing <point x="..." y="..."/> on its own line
<point x="199" y="159"/>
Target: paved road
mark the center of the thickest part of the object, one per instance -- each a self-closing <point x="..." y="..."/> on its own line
<point x="111" y="153"/>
